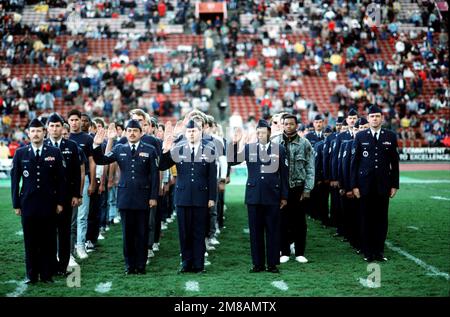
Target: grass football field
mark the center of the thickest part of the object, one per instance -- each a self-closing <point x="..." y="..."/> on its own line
<point x="418" y="249"/>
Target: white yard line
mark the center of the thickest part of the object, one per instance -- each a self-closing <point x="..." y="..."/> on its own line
<point x="431" y="269"/>
<point x="281" y="285"/>
<point x="192" y="286"/>
<point x="103" y="287"/>
<point x="439" y="198"/>
<point x="412" y="228"/>
<point x="410" y="180"/>
<point x="20" y="289"/>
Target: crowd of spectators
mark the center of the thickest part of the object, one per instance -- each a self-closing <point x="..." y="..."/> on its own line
<point x="336" y="40"/>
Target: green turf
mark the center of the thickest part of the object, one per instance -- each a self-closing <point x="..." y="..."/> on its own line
<point x="333" y="270"/>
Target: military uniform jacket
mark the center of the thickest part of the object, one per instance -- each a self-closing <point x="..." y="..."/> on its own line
<point x="268" y="173"/>
<point x="139" y="176"/>
<point x="72" y="162"/>
<point x="42" y="181"/>
<point x="313" y="138"/>
<point x="335" y="154"/>
<point x="196" y="182"/>
<point x="375" y="161"/>
<point x="318" y="163"/>
<point x="327" y="155"/>
<point x="345" y="160"/>
<point x="149" y="139"/>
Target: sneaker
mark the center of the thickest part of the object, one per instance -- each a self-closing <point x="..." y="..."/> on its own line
<point x="213" y="241"/>
<point x="217" y="232"/>
<point x="206" y="254"/>
<point x="155" y="247"/>
<point x="116" y="220"/>
<point x="210" y="247"/>
<point x="150" y="254"/>
<point x="107" y="228"/>
<point x="81" y="252"/>
<point x="284" y="259"/>
<point x="148" y="261"/>
<point x="169" y="220"/>
<point x="101" y="237"/>
<point x="90" y="247"/>
<point x="164" y="226"/>
<point x="72" y="262"/>
<point x="301" y="259"/>
<point x="207" y="262"/>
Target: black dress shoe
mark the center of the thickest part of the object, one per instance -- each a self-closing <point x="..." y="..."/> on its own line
<point x="368" y="258"/>
<point x="29" y="281"/>
<point x="130" y="271"/>
<point x="381" y="258"/>
<point x="273" y="269"/>
<point x="257" y="269"/>
<point x="141" y="271"/>
<point x="184" y="270"/>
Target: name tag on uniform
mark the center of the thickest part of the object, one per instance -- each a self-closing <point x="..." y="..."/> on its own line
<point x="387" y="143"/>
<point x="274" y="155"/>
<point x="123" y="154"/>
<point x="25" y="161"/>
<point x="365" y="143"/>
<point x="49" y="158"/>
<point x="66" y="151"/>
<point x="143" y="154"/>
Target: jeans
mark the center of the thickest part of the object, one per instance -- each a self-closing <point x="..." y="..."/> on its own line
<point x="83" y="213"/>
<point x="112" y="203"/>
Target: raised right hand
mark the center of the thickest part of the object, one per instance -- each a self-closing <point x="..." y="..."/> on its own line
<point x="237" y="136"/>
<point x="99" y="136"/>
<point x="112" y="131"/>
<point x="168" y="137"/>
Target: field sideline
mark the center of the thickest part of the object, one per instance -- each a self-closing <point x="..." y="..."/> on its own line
<point x="418" y="248"/>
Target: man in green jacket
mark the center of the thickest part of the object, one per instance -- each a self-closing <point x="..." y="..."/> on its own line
<point x="300" y="156"/>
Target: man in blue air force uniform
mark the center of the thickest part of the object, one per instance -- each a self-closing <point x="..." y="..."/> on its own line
<point x="374" y="179"/>
<point x="195" y="190"/>
<point x="266" y="193"/>
<point x="137" y="189"/>
<point x="38" y="200"/>
<point x="72" y="171"/>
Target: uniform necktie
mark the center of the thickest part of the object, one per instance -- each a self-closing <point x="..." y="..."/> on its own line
<point x="56" y="144"/>
<point x="192" y="154"/>
<point x="38" y="156"/>
<point x="375" y="136"/>
<point x="263" y="147"/>
<point x="133" y="149"/>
